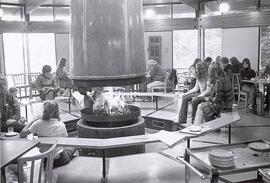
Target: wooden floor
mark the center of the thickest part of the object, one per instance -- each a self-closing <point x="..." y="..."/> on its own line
<point x="127" y="169"/>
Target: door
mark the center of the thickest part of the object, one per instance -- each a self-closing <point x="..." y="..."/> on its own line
<point x="155" y="48"/>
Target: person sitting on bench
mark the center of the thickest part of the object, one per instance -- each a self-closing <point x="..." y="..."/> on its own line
<point x="47" y="84"/>
<point x="221" y="98"/>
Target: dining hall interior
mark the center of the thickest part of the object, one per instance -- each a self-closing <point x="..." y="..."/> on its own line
<point x="138" y="91"/>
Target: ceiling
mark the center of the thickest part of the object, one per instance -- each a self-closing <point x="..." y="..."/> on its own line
<point x="208" y="5"/>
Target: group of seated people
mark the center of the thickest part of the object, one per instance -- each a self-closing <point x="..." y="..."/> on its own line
<point x="49" y="84"/>
<point x="212" y="92"/>
<point x="49" y="124"/>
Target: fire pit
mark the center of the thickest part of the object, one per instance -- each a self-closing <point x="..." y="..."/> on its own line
<point x="93" y="125"/>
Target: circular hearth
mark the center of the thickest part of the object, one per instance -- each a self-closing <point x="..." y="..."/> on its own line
<point x="102" y="127"/>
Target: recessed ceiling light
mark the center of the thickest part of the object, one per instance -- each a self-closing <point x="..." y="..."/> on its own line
<point x="224" y="7"/>
<point x="149" y="14"/>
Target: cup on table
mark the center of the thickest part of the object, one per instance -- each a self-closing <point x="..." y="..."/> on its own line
<point x="10" y="129"/>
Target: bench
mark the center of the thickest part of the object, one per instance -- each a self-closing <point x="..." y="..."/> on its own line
<point x="154" y="94"/>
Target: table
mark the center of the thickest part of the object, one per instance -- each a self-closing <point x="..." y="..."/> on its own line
<point x="245" y="160"/>
<point x="264" y="175"/>
<point x="265" y="83"/>
<point x="12" y="149"/>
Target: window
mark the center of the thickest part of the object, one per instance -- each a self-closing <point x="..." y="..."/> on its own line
<point x="13" y="46"/>
<point x="41" y="51"/>
<point x="155" y="48"/>
<point x="213" y="43"/>
<point x="185" y="48"/>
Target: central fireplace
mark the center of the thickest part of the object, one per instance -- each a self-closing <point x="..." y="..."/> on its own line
<point x="107" y="49"/>
<point x="93" y="125"/>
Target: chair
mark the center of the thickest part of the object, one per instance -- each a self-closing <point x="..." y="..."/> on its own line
<point x="242" y="95"/>
<point x="45" y="175"/>
<point x="161" y="88"/>
<point x="32" y="83"/>
<point x="20" y="82"/>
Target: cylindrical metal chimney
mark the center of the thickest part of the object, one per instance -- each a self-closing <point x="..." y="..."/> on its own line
<point x="107" y="42"/>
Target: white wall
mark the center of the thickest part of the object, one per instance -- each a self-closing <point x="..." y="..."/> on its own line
<point x="241" y="43"/>
<point x="2" y="64"/>
<point x="166" y="47"/>
<point x="62" y="48"/>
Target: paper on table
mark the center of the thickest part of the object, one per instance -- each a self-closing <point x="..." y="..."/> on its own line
<point x="169" y="138"/>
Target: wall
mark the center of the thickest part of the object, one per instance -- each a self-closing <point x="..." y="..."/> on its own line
<point x="242" y="43"/>
<point x="2" y="64"/>
<point x="166" y="47"/>
<point x="62" y="48"/>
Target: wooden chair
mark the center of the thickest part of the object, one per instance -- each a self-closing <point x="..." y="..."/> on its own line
<point x="20" y="83"/>
<point x="161" y="88"/>
<point x="242" y="95"/>
<point x="45" y="175"/>
<point x="32" y="83"/>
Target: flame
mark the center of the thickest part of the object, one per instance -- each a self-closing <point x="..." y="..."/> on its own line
<point x="110" y="103"/>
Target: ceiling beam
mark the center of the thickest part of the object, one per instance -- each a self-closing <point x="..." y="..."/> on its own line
<point x="31" y="5"/>
<point x="195" y="4"/>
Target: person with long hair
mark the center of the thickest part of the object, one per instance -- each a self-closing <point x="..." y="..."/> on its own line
<point x="227" y="67"/>
<point x="47" y="84"/>
<point x="221" y="98"/>
<point x="62" y="76"/>
<point x="200" y="87"/>
<point x="236" y="65"/>
<point x="246" y="73"/>
<point x="50" y="125"/>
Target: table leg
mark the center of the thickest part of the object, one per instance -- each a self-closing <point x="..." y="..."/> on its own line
<point x="104" y="176"/>
<point x="214" y="177"/>
<point x="156" y="98"/>
<point x="3" y="175"/>
<point x="187" y="173"/>
<point x="230" y="134"/>
<point x="26" y="113"/>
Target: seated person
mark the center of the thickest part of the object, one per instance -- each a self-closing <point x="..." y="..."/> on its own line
<point x="200" y="87"/>
<point x="47" y="84"/>
<point x="157" y="76"/>
<point x="221" y="98"/>
<point x="62" y="76"/>
<point x="246" y="73"/>
<point x="50" y="125"/>
<point x="10" y="113"/>
<point x="236" y="65"/>
<point x="208" y="61"/>
<point x="266" y="74"/>
<point x="226" y="67"/>
<point x="171" y="80"/>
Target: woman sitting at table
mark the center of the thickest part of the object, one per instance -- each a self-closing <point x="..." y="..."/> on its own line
<point x="47" y="84"/>
<point x="221" y="98"/>
<point x="246" y="73"/>
<point x="50" y="125"/>
<point x="10" y="113"/>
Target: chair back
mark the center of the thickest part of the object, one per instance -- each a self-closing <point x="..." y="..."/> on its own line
<point x="18" y="79"/>
<point x="32" y="78"/>
<point x="45" y="174"/>
<point x="236" y="83"/>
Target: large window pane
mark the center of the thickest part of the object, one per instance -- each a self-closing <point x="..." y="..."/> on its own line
<point x="185" y="48"/>
<point x="213" y="43"/>
<point x="42" y="51"/>
<point x="13" y="50"/>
